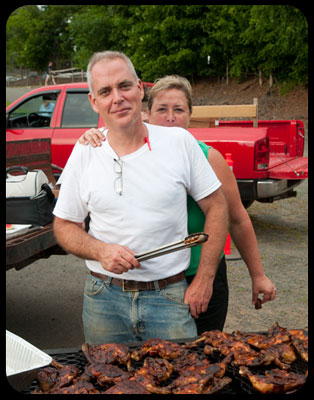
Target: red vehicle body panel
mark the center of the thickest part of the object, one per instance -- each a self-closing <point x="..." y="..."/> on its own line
<point x="240" y="138"/>
<point x="237" y="141"/>
<point x="289" y="168"/>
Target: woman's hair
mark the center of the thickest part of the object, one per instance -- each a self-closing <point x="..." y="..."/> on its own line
<point x="107" y="56"/>
<point x="171" y="82"/>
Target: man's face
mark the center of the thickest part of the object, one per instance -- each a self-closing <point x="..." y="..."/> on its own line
<point x="118" y="97"/>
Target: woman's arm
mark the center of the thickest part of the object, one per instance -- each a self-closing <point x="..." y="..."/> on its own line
<point x="241" y="228"/>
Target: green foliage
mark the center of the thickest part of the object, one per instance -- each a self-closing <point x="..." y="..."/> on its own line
<point x="166" y="39"/>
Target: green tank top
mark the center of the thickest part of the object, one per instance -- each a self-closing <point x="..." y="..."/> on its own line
<point x="196" y="221"/>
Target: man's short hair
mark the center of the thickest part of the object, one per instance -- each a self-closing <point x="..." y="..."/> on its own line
<point x="107" y="56"/>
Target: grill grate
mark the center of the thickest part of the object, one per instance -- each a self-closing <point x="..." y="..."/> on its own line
<point x="239" y="384"/>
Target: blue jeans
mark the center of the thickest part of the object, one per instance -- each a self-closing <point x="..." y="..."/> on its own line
<point x="111" y="315"/>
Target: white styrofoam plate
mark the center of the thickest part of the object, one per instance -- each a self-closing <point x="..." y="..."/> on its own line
<point x="23" y="360"/>
<point x="16" y="230"/>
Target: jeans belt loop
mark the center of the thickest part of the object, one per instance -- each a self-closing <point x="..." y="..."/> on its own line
<point x="156" y="284"/>
<point x="108" y="281"/>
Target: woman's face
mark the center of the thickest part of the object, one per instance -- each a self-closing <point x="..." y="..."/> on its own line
<point x="170" y="108"/>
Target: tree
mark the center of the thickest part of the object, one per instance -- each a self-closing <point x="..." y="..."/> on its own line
<point x="168" y="39"/>
<point x="279" y="35"/>
<point x="36" y="35"/>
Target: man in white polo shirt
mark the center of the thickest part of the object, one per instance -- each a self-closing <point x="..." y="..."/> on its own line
<point x="135" y="188"/>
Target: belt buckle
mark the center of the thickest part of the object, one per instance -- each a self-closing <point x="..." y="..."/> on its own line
<point x="127" y="290"/>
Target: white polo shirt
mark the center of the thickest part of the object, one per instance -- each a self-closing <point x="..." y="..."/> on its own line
<point x="152" y="210"/>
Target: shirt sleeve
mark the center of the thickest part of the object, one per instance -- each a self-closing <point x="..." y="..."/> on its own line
<point x="70" y="204"/>
<point x="203" y="180"/>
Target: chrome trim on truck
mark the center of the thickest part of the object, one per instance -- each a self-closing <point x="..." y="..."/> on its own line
<point x="274" y="187"/>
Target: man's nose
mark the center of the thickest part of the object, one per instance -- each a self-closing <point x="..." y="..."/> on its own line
<point x="117" y="97"/>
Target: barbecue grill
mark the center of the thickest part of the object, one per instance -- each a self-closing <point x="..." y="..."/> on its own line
<point x="239" y="384"/>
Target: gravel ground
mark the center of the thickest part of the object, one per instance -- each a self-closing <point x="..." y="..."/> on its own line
<point x="44" y="300"/>
<point x="282" y="233"/>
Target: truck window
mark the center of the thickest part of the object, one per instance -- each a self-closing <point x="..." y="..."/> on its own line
<point x="77" y="112"/>
<point x="35" y="112"/>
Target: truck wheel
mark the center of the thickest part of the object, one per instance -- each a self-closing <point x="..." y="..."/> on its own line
<point x="247" y="203"/>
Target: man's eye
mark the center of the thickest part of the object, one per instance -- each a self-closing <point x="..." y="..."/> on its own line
<point x="104" y="92"/>
<point x="126" y="85"/>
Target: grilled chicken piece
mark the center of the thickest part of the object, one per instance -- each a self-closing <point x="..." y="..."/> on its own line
<point x="275" y="381"/>
<point x="192" y="380"/>
<point x="146" y="379"/>
<point x="159" y="348"/>
<point x="189" y="388"/>
<point x="189" y="360"/>
<point x="263" y="342"/>
<point x="216" y="385"/>
<point x="47" y="378"/>
<point x="153" y="372"/>
<point x="80" y="387"/>
<point x="149" y="382"/>
<point x="232" y="346"/>
<point x="127" y="387"/>
<point x="213" y="386"/>
<point x="159" y="368"/>
<point x="299" y="333"/>
<point x="290" y="380"/>
<point x="253" y="358"/>
<point x="106" y="373"/>
<point x="300" y="342"/>
<point x="197" y="378"/>
<point x="286" y="352"/>
<point x="109" y="353"/>
<point x="214" y="337"/>
<point x="242" y="353"/>
<point x="140" y="383"/>
<point x="283" y="355"/>
<point x="57" y="376"/>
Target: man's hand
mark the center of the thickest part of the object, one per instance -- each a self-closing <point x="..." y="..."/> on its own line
<point x="113" y="257"/>
<point x="93" y="137"/>
<point x="117" y="259"/>
<point x="198" y="295"/>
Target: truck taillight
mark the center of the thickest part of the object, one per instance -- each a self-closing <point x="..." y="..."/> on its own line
<point x="261" y="154"/>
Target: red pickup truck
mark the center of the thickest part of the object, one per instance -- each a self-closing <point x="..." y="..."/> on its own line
<point x="268" y="159"/>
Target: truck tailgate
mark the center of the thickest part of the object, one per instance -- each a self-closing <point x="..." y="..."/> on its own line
<point x="288" y="167"/>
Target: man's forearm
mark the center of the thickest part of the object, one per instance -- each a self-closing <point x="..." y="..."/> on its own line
<point x="216" y="226"/>
<point x="112" y="257"/>
<point x="199" y="292"/>
<point x="73" y="238"/>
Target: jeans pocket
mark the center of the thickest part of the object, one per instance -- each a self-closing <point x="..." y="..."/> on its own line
<point x="93" y="286"/>
<point x="175" y="292"/>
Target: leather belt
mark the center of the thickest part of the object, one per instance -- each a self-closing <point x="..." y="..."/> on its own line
<point x="130" y="286"/>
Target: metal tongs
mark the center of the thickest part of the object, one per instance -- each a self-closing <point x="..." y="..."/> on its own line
<point x="190" y="241"/>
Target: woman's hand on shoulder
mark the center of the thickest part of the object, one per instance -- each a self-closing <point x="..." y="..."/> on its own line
<point x="93" y="137"/>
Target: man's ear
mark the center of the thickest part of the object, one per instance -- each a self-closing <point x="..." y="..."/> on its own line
<point x="141" y="87"/>
<point x="93" y="102"/>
